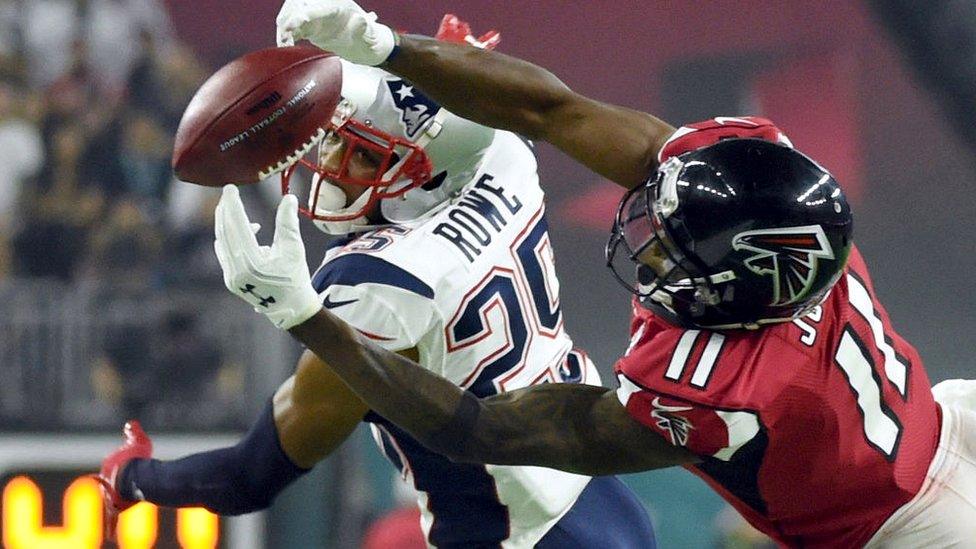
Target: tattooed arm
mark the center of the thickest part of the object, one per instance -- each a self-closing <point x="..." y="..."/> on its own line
<point x="577" y="428"/>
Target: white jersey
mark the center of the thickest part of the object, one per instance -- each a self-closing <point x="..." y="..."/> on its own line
<point x="473" y="288"/>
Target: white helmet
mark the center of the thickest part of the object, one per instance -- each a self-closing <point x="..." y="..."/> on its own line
<point x="427" y="153"/>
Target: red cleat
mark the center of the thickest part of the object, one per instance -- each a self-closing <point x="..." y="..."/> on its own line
<point x="137" y="445"/>
<point x="453" y="29"/>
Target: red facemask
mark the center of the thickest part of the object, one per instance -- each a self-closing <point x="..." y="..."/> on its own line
<point x="399" y="162"/>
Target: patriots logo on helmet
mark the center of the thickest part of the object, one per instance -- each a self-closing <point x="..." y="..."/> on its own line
<point x="789" y="255"/>
<point x="678" y="427"/>
<point x="415" y="108"/>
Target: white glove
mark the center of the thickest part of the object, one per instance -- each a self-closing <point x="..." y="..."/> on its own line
<point x="339" y="26"/>
<point x="273" y="279"/>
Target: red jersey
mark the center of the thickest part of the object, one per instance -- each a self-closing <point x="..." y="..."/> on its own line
<point x="816" y="430"/>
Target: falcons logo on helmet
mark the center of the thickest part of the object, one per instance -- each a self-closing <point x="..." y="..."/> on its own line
<point x="415" y="108"/>
<point x="678" y="427"/>
<point x="787" y="254"/>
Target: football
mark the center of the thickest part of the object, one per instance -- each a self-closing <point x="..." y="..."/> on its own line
<point x="257" y="115"/>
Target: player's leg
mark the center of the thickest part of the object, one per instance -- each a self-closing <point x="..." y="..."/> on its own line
<point x="607" y="515"/>
<point x="228" y="481"/>
<point x="943" y="513"/>
<point x="314" y="411"/>
<point x="310" y="415"/>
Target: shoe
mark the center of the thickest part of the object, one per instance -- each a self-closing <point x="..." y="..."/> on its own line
<point x="136" y="445"/>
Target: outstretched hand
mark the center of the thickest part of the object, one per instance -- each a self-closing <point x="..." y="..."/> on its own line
<point x="453" y="29"/>
<point x="339" y="26"/>
<point x="273" y="279"/>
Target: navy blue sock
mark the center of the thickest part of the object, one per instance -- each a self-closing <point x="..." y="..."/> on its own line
<point x="227" y="481"/>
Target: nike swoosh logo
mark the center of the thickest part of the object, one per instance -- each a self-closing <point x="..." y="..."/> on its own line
<point x="329" y="304"/>
<point x="723" y="120"/>
<point x="658" y="405"/>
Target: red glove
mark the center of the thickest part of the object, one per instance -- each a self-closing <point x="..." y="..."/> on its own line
<point x="136" y="445"/>
<point x="454" y="30"/>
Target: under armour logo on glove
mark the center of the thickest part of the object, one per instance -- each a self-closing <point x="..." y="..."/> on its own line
<point x="249" y="289"/>
<point x="273" y="279"/>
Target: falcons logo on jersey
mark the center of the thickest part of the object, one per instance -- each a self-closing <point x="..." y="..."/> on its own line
<point x="678" y="427"/>
<point x="789" y="255"/>
<point x="415" y="108"/>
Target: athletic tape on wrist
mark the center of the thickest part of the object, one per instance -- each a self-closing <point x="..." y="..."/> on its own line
<point x="395" y="51"/>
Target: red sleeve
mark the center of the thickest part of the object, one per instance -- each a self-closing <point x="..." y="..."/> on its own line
<point x="663" y="379"/>
<point x="638" y="315"/>
<point x="702" y="134"/>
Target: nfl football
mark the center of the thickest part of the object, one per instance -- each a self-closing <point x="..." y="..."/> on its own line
<point x="256" y="115"/>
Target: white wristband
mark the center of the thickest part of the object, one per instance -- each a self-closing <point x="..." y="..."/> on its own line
<point x="306" y="307"/>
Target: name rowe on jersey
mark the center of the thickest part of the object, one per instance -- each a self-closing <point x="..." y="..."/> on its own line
<point x="469" y="233"/>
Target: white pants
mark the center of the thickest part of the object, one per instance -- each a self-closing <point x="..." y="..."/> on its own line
<point x="943" y="513"/>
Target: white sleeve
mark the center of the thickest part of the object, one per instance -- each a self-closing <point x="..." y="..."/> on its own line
<point x="385" y="301"/>
<point x="394" y="319"/>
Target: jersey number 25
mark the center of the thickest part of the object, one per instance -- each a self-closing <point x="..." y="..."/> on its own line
<point x="524" y="293"/>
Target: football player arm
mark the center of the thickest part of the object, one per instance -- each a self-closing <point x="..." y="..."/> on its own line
<point x="314" y="411"/>
<point x="497" y="90"/>
<point x="577" y="428"/>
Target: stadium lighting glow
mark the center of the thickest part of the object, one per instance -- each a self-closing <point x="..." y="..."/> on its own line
<point x="23" y="521"/>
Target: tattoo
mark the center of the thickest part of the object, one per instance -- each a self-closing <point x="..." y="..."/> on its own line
<point x="578" y="428"/>
<point x="456" y="433"/>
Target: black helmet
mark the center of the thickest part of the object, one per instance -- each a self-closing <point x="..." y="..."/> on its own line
<point x="753" y="232"/>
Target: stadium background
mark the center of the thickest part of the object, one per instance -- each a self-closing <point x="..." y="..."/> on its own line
<point x="113" y="306"/>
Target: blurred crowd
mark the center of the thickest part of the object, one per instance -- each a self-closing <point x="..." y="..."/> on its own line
<point x="91" y="94"/>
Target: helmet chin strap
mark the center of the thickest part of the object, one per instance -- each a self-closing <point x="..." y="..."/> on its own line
<point x="664" y="293"/>
<point x="433" y="129"/>
<point x="331" y="201"/>
<point x="357" y="225"/>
